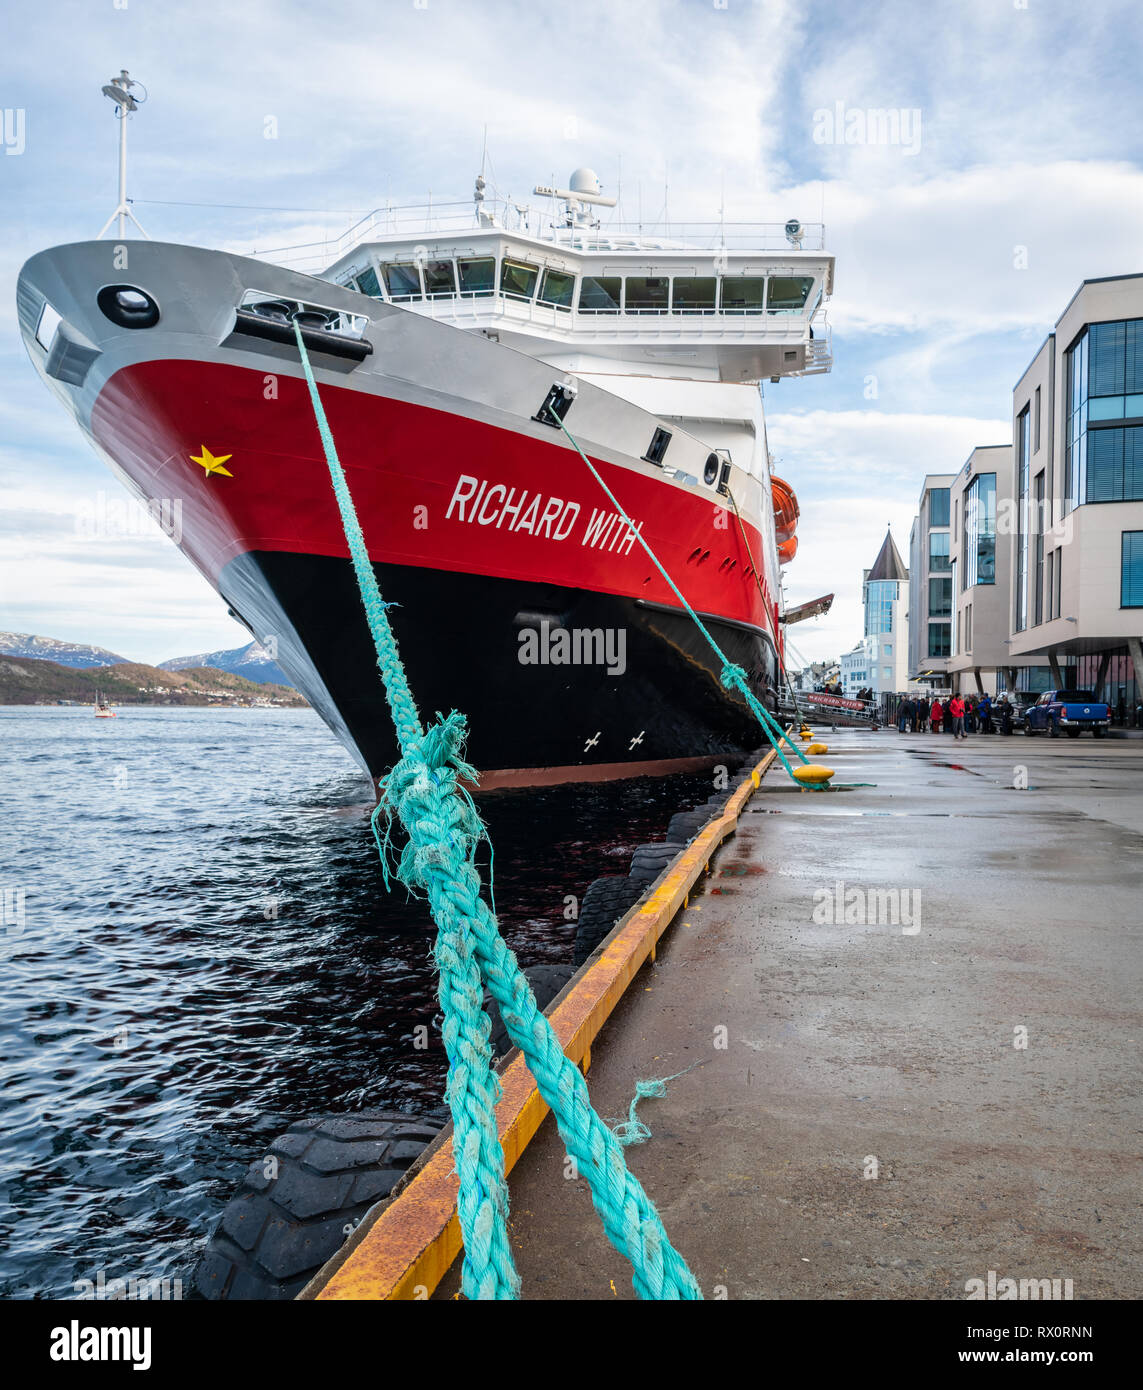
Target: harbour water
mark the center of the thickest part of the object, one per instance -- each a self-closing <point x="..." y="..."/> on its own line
<point x="198" y="949"/>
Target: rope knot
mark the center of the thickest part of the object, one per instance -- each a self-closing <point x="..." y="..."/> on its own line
<point x="734" y="678"/>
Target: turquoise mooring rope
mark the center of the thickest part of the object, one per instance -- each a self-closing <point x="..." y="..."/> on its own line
<point x="424" y="792"/>
<point x="733" y="676"/>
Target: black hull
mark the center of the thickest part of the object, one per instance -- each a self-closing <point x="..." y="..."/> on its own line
<point x="459" y="637"/>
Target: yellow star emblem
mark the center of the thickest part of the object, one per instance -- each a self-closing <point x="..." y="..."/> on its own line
<point x="211" y="462"/>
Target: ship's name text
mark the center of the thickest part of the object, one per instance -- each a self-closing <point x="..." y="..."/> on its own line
<point x="475" y="501"/>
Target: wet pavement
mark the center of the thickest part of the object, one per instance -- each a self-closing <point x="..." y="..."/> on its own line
<point x="874" y="1111"/>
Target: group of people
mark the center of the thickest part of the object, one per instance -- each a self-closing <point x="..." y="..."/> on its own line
<point x="959" y="715"/>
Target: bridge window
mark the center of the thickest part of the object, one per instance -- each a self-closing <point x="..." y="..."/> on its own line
<point x="558" y="288"/>
<point x="788" y="293"/>
<point x="742" y="294"/>
<point x="694" y="294"/>
<point x="599" y="294"/>
<point x="403" y="281"/>
<point x="647" y="294"/>
<point x="477" y="276"/>
<point x="440" y="278"/>
<point x="367" y="283"/>
<point x="517" y="280"/>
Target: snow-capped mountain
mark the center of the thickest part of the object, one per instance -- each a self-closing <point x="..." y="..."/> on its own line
<point x="253" y="662"/>
<point x="78" y="655"/>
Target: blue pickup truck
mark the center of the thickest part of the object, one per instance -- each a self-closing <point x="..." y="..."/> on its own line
<point x="1069" y="712"/>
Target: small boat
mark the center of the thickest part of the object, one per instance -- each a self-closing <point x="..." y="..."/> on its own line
<point x="102" y="709"/>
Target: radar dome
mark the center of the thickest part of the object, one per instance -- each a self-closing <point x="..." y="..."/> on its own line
<point x="584" y="181"/>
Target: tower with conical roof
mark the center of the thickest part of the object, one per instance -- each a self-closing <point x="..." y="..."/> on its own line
<point x="885" y="592"/>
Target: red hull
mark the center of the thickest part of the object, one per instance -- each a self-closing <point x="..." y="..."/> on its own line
<point x="404" y="462"/>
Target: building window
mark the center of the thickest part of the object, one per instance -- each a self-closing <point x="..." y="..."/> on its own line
<point x="518" y="280"/>
<point x="600" y="294"/>
<point x="1057" y="602"/>
<point x="1103" y="441"/>
<point x="1038" y="567"/>
<point x="1131" y="582"/>
<point x="403" y="281"/>
<point x="939" y="635"/>
<point x="367" y="283"/>
<point x="938" y="551"/>
<point x="880" y="595"/>
<point x="1023" y="480"/>
<point x="694" y="294"/>
<point x="440" y="279"/>
<point x="940" y="598"/>
<point x="1075" y="422"/>
<point x="647" y="294"/>
<point x="788" y="293"/>
<point x="477" y="276"/>
<point x="980" y="531"/>
<point x="938" y="506"/>
<point x="558" y="288"/>
<point x="1115" y="465"/>
<point x="1036" y="440"/>
<point x="743" y="294"/>
<point x="1051" y="584"/>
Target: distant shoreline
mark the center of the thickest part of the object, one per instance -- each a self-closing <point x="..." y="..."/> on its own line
<point x="299" y="704"/>
<point x="39" y="683"/>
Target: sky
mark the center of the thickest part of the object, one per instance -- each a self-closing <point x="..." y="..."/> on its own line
<point x="1017" y="175"/>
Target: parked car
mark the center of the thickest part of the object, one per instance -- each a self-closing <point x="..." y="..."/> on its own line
<point x="1069" y="711"/>
<point x="1023" y="700"/>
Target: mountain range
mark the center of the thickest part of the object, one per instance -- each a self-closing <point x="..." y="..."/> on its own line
<point x="76" y="654"/>
<point x="252" y="662"/>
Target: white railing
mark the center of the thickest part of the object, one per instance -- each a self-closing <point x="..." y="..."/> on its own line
<point x="714" y="325"/>
<point x="429" y="219"/>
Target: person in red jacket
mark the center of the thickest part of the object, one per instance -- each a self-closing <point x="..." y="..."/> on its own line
<point x="936" y="714"/>
<point x="956" y="709"/>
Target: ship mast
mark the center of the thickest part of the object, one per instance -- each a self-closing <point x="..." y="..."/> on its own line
<point x="118" y="89"/>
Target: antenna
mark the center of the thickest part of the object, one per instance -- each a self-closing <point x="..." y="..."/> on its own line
<point x="584" y="191"/>
<point x="119" y="91"/>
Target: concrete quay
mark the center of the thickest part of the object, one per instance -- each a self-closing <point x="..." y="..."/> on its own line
<point x="873" y="1111"/>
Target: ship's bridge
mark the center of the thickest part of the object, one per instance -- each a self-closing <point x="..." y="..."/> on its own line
<point x="715" y="302"/>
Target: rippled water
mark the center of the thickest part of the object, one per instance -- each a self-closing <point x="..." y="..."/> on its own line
<point x="207" y="953"/>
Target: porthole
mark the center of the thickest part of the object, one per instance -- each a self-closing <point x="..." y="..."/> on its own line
<point x="128" y="306"/>
<point x="710" y="470"/>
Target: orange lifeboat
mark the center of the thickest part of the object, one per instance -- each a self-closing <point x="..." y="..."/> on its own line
<point x="787" y="549"/>
<point x="785" y="510"/>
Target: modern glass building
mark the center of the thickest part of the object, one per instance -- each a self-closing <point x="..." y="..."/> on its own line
<point x="1046" y="548"/>
<point x="931" y="584"/>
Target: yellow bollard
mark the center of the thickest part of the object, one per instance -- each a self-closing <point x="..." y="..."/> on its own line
<point x="813" y="774"/>
<point x="815" y="750"/>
